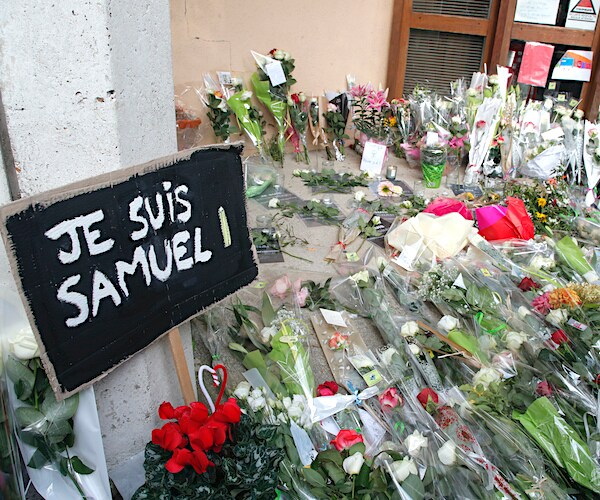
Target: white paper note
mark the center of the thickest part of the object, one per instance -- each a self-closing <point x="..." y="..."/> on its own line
<point x="334" y="318"/>
<point x="373" y="158"/>
<point x="275" y="72"/>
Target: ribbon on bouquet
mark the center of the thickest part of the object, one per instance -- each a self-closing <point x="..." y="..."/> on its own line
<point x="326" y="406"/>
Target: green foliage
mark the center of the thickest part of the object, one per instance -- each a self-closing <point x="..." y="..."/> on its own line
<point x="332" y="180"/>
<point x="319" y="296"/>
<point x="219" y="116"/>
<point x="314" y="208"/>
<point x="246" y="468"/>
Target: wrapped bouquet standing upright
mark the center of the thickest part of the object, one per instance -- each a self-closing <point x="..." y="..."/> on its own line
<point x="336" y="118"/>
<point x="248" y="117"/>
<point x="272" y="82"/>
<point x="218" y="113"/>
<point x="299" y="115"/>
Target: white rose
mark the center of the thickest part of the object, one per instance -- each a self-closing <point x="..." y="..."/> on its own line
<point x="287" y="402"/>
<point x="23" y="344"/>
<point x="287" y="56"/>
<point x="267" y="333"/>
<point x="447" y="453"/>
<point x="406" y="204"/>
<point x="296" y="172"/>
<point x="376" y="220"/>
<point x="401" y="469"/>
<point x="487" y="343"/>
<point x="353" y="463"/>
<point x="278" y="54"/>
<point x="242" y="390"/>
<point x="578" y="114"/>
<point x="493" y="80"/>
<point x="485" y="377"/>
<point x="557" y="317"/>
<point x="256" y="393"/>
<point x="541" y="262"/>
<point x="448" y="323"/>
<point x="246" y="94"/>
<point x="295" y="411"/>
<point x="273" y="202"/>
<point x="256" y="403"/>
<point x="415" y="442"/>
<point x="514" y="340"/>
<point x="409" y="329"/>
<point x="361" y="361"/>
<point x="302" y="97"/>
<point x="361" y="276"/>
<point x="360" y="195"/>
<point x="523" y="312"/>
<point x="456" y="120"/>
<point x="415" y="349"/>
<point x="386" y="356"/>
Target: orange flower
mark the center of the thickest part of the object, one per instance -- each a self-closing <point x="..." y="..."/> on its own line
<point x="552" y="182"/>
<point x="563" y="297"/>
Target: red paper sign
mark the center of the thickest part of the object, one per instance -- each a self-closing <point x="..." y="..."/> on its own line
<point x="535" y="65"/>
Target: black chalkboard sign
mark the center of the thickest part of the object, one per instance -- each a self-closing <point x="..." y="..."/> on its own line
<point x="108" y="266"/>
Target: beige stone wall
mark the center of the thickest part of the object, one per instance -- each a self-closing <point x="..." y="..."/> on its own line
<point x="328" y="39"/>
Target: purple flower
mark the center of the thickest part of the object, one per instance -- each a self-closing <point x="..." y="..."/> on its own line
<point x="377" y="100"/>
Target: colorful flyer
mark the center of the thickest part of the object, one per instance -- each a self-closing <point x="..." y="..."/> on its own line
<point x="582" y="14"/>
<point x="574" y="65"/>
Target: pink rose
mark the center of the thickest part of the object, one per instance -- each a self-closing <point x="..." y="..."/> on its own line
<point x="280" y="287"/>
<point x="301" y="296"/>
<point x="544" y="388"/>
<point x="390" y="398"/>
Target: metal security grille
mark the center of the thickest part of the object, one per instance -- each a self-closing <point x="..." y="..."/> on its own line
<point x="467" y="8"/>
<point x="436" y="58"/>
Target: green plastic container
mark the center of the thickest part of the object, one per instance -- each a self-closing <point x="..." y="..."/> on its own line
<point x="433" y="164"/>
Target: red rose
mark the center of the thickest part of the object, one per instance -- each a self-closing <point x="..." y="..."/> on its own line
<point x="425" y="395"/>
<point x="327" y="389"/>
<point x="528" y="284"/>
<point x="229" y="412"/>
<point x="597" y="381"/>
<point x="166" y="411"/>
<point x="544" y="388"/>
<point x="272" y="52"/>
<point x="559" y="337"/>
<point x="201" y="439"/>
<point x="169" y="437"/>
<point x="390" y="398"/>
<point x="199" y="412"/>
<point x="345" y="439"/>
<point x="296" y="98"/>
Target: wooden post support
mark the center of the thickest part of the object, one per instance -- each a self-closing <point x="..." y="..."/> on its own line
<point x="183" y="374"/>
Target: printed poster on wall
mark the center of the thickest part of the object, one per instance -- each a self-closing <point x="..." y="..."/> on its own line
<point x="574" y="65"/>
<point x="537" y="11"/>
<point x="108" y="265"/>
<point x="582" y="14"/>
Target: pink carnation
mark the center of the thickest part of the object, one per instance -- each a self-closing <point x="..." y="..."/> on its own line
<point x="542" y="304"/>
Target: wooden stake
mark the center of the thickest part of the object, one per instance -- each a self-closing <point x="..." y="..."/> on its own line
<point x="183" y="374"/>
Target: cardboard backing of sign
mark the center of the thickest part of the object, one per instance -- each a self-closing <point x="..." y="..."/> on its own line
<point x="106" y="266"/>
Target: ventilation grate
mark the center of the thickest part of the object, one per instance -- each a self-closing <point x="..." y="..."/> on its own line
<point x="467" y="8"/>
<point x="437" y="58"/>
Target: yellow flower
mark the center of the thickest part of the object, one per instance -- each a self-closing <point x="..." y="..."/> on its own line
<point x="542" y="202"/>
<point x="469" y="196"/>
<point x="393" y="121"/>
<point x="541" y="217"/>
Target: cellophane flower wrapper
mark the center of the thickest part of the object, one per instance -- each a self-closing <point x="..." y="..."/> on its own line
<point x="570" y="253"/>
<point x="299" y="117"/>
<point x="276" y="106"/>
<point x="481" y="137"/>
<point x="573" y="140"/>
<point x="348" y="232"/>
<point x="590" y="160"/>
<point x="260" y="177"/>
<point x="218" y="112"/>
<point x="562" y="444"/>
<point x="248" y="118"/>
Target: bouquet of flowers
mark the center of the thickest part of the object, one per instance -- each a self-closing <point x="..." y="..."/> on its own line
<point x="218" y="113"/>
<point x="272" y="83"/>
<point x="336" y="117"/>
<point x="299" y="115"/>
<point x="372" y="115"/>
<point x="249" y="118"/>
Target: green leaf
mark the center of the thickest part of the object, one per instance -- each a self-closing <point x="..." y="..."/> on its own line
<point x="330" y="456"/>
<point x="314" y="478"/>
<point x="28" y="416"/>
<point x="58" y="430"/>
<point x="80" y="467"/>
<point x="357" y="448"/>
<point x="336" y="473"/>
<point x="413" y="486"/>
<point x="238" y="347"/>
<point x="19" y="373"/>
<point x="267" y="311"/>
<point x="38" y="460"/>
<point x="59" y="410"/>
